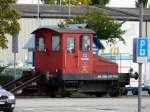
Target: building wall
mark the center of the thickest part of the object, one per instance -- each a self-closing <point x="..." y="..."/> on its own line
<point x="27" y="26"/>
<point x="146" y="66"/>
<point x="132" y="31"/>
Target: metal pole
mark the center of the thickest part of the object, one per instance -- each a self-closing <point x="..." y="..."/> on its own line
<point x="69" y="9"/>
<point x="60" y="2"/>
<point x="15" y="50"/>
<point x="38" y="12"/>
<point x="15" y="66"/>
<point x="140" y="64"/>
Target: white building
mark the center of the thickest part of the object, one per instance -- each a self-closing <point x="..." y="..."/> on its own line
<point x="28" y="1"/>
<point x="53" y="15"/>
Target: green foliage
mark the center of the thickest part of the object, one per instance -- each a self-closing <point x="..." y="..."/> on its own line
<point x="77" y="20"/>
<point x="2" y="68"/>
<point x="100" y="2"/>
<point x="49" y="1"/>
<point x="65" y="2"/>
<point x="105" y="28"/>
<point x="145" y="2"/>
<point x="8" y="21"/>
<point x="4" y="78"/>
<point x="78" y="2"/>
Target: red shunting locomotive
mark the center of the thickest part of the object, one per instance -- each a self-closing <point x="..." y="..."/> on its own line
<point x="65" y="63"/>
<point x="67" y="54"/>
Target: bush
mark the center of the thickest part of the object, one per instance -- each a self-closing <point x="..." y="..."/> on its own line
<point x="4" y="78"/>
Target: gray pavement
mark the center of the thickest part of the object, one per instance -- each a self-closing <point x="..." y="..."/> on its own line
<point x="122" y="104"/>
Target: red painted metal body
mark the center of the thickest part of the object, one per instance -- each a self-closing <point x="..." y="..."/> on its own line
<point x="65" y="58"/>
<point x="68" y="62"/>
<point x="47" y="61"/>
<point x="101" y="65"/>
<point x="70" y="57"/>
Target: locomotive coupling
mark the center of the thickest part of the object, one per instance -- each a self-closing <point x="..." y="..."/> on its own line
<point x="133" y="75"/>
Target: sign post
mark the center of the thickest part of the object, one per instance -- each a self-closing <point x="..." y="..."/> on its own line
<point x="140" y="52"/>
<point x="140" y="64"/>
<point x="15" y="50"/>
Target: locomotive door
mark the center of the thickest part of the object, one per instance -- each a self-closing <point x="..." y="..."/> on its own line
<point x="86" y="54"/>
<point x="71" y="54"/>
<point x="78" y="54"/>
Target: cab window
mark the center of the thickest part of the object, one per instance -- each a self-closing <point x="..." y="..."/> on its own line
<point x="85" y="43"/>
<point x="55" y="43"/>
<point x="70" y="44"/>
<point x="40" y="43"/>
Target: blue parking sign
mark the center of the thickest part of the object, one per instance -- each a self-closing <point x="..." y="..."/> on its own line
<point x="142" y="50"/>
<point x="142" y="47"/>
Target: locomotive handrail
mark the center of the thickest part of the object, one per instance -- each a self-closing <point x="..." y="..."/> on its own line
<point x="65" y="59"/>
<point x="25" y="84"/>
<point x="6" y="86"/>
<point x="78" y="59"/>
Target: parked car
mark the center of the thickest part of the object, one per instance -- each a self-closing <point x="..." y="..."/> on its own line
<point x="7" y="101"/>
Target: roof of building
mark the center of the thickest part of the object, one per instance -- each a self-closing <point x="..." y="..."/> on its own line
<point x="49" y="11"/>
<point x="65" y="30"/>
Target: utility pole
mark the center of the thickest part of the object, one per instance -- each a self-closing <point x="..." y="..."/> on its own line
<point x="69" y="8"/>
<point x="59" y="2"/>
<point x="140" y="64"/>
<point x="15" y="50"/>
<point x="38" y="13"/>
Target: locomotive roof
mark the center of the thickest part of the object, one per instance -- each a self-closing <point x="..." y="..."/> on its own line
<point x="65" y="30"/>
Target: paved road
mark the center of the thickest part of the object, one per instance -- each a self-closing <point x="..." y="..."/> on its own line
<point x="123" y="104"/>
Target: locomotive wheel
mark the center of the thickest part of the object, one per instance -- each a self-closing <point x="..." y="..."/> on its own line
<point x="9" y="110"/>
<point x="135" y="92"/>
<point x="149" y="92"/>
<point x="124" y="92"/>
<point x="114" y="91"/>
<point x="53" y="95"/>
<point x="65" y="93"/>
<point x="99" y="94"/>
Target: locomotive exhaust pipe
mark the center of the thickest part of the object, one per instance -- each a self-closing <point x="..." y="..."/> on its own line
<point x="133" y="75"/>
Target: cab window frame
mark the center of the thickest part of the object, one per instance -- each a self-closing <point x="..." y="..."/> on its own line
<point x="40" y="43"/>
<point x="70" y="47"/>
<point x="55" y="44"/>
<point x="85" y="44"/>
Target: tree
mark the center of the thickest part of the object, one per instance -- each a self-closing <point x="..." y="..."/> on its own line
<point x="65" y="2"/>
<point x="49" y="1"/>
<point x="100" y="2"/>
<point x="8" y="21"/>
<point x="105" y="28"/>
<point x="145" y="2"/>
<point x="77" y="2"/>
<point x="4" y="77"/>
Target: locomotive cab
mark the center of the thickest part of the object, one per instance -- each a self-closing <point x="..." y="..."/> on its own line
<point x="66" y="50"/>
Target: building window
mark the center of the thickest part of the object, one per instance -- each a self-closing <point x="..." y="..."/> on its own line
<point x="55" y="43"/>
<point x="70" y="44"/>
<point x="85" y="43"/>
<point x="40" y="44"/>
